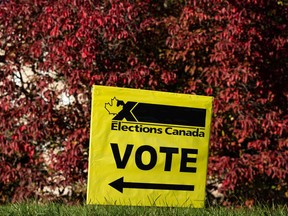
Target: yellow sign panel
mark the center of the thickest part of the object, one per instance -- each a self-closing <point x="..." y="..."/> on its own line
<point x="148" y="148"/>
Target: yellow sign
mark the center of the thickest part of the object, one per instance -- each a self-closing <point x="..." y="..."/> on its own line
<point x="148" y="148"/>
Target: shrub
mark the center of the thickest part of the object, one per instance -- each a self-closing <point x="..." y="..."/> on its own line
<point x="54" y="51"/>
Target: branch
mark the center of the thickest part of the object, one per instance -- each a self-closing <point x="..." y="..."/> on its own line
<point x="2" y="59"/>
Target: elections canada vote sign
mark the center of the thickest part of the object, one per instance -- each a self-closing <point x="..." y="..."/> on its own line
<point x="148" y="148"/>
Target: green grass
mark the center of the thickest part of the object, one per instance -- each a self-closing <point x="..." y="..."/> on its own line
<point x="81" y="210"/>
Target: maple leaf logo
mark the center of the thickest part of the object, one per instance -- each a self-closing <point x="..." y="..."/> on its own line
<point x="114" y="107"/>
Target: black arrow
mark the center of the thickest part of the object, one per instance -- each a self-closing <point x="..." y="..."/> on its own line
<point x="119" y="184"/>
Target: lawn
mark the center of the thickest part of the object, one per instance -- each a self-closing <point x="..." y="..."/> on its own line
<point x="81" y="210"/>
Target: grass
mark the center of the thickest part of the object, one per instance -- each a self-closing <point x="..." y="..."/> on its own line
<point x="81" y="210"/>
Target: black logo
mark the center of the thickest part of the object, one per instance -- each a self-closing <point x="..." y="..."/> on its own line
<point x="156" y="113"/>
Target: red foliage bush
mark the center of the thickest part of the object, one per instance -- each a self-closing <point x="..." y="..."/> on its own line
<point x="52" y="52"/>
